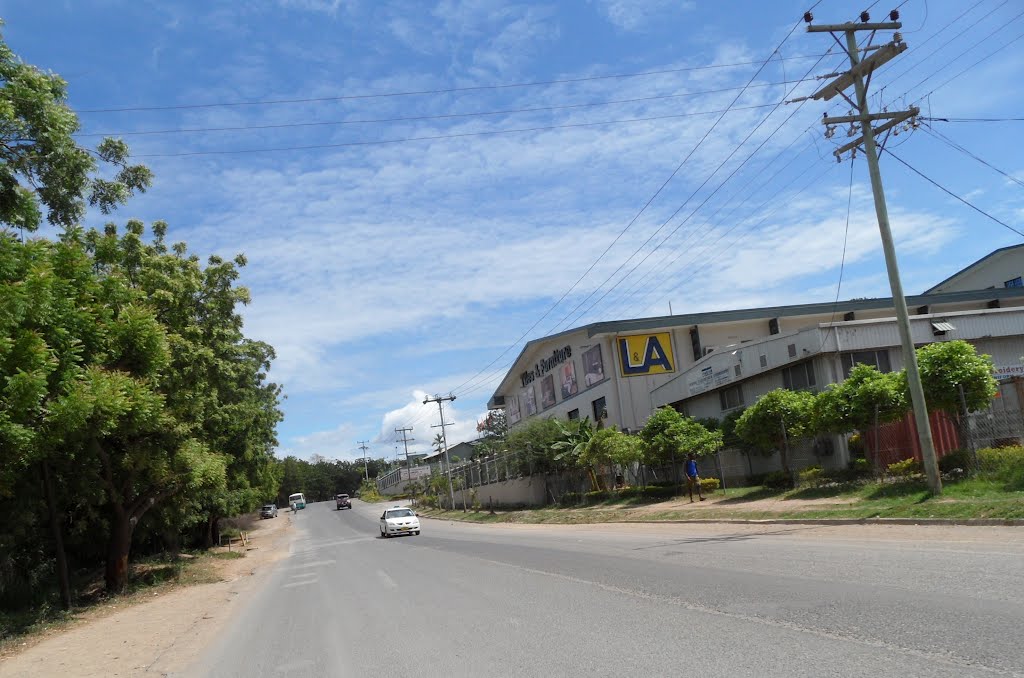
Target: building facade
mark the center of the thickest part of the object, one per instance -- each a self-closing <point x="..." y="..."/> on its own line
<point x="709" y="364"/>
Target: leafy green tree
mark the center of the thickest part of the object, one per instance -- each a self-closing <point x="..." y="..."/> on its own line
<point x="855" y="403"/>
<point x="493" y="430"/>
<point x="776" y="418"/>
<point x="575" y="435"/>
<point x="533" y="443"/>
<point x="609" y="447"/>
<point x="41" y="166"/>
<point x="947" y="367"/>
<point x="668" y="435"/>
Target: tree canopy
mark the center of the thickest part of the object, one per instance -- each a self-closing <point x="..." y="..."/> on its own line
<point x="42" y="168"/>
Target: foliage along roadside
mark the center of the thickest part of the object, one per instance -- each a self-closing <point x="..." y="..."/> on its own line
<point x="134" y="412"/>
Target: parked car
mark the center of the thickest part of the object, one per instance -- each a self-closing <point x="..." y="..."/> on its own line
<point x="268" y="511"/>
<point x="343" y="501"/>
<point x="399" y="520"/>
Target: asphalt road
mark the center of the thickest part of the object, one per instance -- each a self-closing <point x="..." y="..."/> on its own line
<point x="679" y="600"/>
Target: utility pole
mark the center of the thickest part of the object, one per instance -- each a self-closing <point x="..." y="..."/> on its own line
<point x="405" y="441"/>
<point x="366" y="460"/>
<point x="444" y="441"/>
<point x="862" y="120"/>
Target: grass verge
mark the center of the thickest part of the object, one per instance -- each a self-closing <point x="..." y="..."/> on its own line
<point x="964" y="500"/>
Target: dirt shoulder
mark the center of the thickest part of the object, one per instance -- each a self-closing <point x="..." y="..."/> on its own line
<point x="156" y="637"/>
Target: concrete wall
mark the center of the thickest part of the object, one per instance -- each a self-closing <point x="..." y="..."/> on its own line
<point x="530" y="491"/>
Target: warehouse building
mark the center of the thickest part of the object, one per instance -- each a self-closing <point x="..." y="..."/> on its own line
<point x="708" y="364"/>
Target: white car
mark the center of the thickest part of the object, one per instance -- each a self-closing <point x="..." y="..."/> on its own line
<point x="399" y="520"/>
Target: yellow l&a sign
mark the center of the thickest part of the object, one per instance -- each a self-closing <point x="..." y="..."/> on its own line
<point x="646" y="354"/>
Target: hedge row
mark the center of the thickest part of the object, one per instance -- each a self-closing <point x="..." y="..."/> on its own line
<point x="654" y="491"/>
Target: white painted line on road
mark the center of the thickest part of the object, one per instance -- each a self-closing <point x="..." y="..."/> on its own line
<point x="303" y="575"/>
<point x="387" y="581"/>
<point x="312" y="563"/>
<point x="299" y="583"/>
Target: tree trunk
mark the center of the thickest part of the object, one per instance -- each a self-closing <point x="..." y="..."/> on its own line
<point x="58" y="539"/>
<point x="211" y="537"/>
<point x="117" y="555"/>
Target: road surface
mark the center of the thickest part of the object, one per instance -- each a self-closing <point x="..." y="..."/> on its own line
<point x="665" y="600"/>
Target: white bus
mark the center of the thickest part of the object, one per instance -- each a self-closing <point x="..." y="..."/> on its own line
<point x="298" y="500"/>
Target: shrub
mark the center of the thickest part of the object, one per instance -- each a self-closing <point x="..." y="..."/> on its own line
<point x="777" y="480"/>
<point x="860" y="467"/>
<point x="709" y="484"/>
<point x="659" y="491"/>
<point x="908" y="468"/>
<point x="956" y="463"/>
<point x="597" y="496"/>
<point x="812" y="476"/>
<point x="1003" y="465"/>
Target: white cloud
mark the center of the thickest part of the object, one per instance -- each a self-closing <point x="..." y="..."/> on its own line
<point x="460" y="426"/>
<point x="633" y="15"/>
<point x="335" y="443"/>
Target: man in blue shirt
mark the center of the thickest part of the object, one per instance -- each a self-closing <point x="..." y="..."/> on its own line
<point x="692" y="477"/>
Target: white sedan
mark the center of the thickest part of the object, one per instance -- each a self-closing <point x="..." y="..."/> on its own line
<point x="399" y="520"/>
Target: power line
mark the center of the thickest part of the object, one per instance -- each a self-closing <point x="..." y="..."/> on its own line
<point x="842" y="261"/>
<point x="446" y="90"/>
<point x="976" y="63"/>
<point x="969" y="49"/>
<point x="637" y="215"/>
<point x="951" y="193"/>
<point x="416" y="118"/>
<point x="437" y="137"/>
<point x="938" y="49"/>
<point x="949" y="142"/>
<point x="973" y="119"/>
<point x="691" y="196"/>
<point x="631" y="291"/>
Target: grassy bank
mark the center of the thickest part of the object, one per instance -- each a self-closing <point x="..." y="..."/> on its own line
<point x="964" y="500"/>
<point x="149" y="577"/>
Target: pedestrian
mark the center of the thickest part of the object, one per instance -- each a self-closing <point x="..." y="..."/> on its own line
<point x="692" y="477"/>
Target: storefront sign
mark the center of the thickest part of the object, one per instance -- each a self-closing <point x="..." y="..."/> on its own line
<point x="646" y="354"/>
<point x="1008" y="371"/>
<point x="558" y="356"/>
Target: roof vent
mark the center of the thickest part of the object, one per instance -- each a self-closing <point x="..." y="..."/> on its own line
<point x="940" y="328"/>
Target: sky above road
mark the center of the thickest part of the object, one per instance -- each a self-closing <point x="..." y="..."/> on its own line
<point x="420" y="187"/>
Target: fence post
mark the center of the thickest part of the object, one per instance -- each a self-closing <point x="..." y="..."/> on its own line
<point x="967" y="427"/>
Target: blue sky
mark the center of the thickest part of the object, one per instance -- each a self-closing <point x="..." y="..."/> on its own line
<point x="385" y="271"/>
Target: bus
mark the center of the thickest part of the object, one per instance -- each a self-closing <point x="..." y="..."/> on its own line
<point x="298" y="499"/>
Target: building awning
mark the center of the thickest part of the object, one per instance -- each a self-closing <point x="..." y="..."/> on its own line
<point x="940" y="327"/>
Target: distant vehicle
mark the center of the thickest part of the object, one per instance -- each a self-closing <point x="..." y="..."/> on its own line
<point x="399" y="520"/>
<point x="268" y="511"/>
<point x="343" y="501"/>
<point x="298" y="500"/>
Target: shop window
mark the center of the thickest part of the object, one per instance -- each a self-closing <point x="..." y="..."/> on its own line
<point x="877" y="359"/>
<point x="1016" y="282"/>
<point x="791" y="349"/>
<point x="731" y="397"/>
<point x="799" y="377"/>
<point x="764" y="361"/>
<point x="574" y="414"/>
<point x="600" y="409"/>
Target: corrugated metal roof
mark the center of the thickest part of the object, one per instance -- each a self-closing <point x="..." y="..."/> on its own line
<point x="942" y="327"/>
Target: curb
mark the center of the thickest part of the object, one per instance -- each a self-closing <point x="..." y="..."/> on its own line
<point x="970" y="522"/>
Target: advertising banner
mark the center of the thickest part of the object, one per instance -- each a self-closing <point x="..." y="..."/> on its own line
<point x="646" y="354"/>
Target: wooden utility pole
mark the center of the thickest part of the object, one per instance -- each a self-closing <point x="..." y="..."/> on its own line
<point x="859" y="76"/>
<point x="444" y="441"/>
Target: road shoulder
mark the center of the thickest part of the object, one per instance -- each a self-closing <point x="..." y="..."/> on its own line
<point x="160" y="637"/>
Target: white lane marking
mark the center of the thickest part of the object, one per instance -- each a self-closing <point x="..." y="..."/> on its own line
<point x="299" y="583"/>
<point x="312" y="563"/>
<point x="303" y="575"/>
<point x="386" y="580"/>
